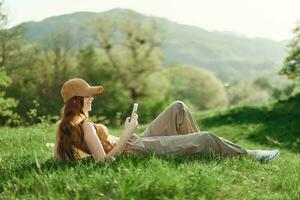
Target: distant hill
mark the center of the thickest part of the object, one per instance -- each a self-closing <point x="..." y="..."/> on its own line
<point x="228" y="55"/>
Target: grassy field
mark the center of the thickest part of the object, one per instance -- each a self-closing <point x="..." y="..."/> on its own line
<point x="27" y="170"/>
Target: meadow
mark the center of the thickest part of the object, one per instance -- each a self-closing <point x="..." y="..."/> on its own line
<point x="27" y="170"/>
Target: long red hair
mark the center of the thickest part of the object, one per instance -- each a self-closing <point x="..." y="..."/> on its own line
<point x="71" y="117"/>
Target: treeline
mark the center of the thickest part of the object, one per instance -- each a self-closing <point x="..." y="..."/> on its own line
<point x="126" y="59"/>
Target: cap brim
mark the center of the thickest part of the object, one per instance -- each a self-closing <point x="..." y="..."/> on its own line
<point x="96" y="90"/>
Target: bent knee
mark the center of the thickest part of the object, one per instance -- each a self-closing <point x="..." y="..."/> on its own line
<point x="206" y="136"/>
<point x="178" y="104"/>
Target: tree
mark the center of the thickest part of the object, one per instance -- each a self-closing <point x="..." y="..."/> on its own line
<point x="115" y="101"/>
<point x="87" y="63"/>
<point x="6" y="48"/>
<point x="197" y="86"/>
<point x="291" y="66"/>
<point x="54" y="65"/>
<point x="3" y="35"/>
<point x="6" y="104"/>
<point x="93" y="67"/>
<point x="38" y="74"/>
<point x="10" y="39"/>
<point x="132" y="49"/>
<point x="247" y="92"/>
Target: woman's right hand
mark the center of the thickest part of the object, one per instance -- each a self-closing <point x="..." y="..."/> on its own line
<point x="132" y="125"/>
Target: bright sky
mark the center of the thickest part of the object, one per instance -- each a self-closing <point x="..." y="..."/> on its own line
<point x="273" y="19"/>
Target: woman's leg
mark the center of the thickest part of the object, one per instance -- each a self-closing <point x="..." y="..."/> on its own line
<point x="196" y="143"/>
<point x="222" y="146"/>
<point x="176" y="119"/>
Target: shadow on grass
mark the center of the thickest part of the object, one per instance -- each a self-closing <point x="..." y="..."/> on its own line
<point x="280" y="125"/>
<point x="125" y="160"/>
<point x="24" y="166"/>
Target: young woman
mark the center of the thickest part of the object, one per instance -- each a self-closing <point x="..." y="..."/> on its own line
<point x="174" y="131"/>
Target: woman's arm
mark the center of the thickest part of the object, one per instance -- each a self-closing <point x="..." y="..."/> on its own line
<point x="130" y="127"/>
<point x="95" y="146"/>
<point x="93" y="142"/>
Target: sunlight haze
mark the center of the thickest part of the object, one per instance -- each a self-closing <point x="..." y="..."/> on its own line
<point x="252" y="18"/>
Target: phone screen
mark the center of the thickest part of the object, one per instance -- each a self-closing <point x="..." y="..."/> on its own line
<point x="134" y="109"/>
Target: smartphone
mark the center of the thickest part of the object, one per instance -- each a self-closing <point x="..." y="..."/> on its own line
<point x="134" y="109"/>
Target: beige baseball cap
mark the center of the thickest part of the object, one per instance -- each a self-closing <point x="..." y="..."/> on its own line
<point x="78" y="87"/>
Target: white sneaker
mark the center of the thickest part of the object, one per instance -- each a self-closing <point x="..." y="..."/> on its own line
<point x="266" y="155"/>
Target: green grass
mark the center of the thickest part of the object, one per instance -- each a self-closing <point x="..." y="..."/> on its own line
<point x="27" y="170"/>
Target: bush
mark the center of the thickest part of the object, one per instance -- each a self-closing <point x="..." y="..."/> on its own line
<point x="291" y="66"/>
<point x="197" y="86"/>
<point x="7" y="116"/>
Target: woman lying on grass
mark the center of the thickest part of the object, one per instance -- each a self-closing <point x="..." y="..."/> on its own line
<point x="174" y="131"/>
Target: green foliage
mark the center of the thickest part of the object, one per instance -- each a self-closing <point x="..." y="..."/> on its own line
<point x="127" y="61"/>
<point x="247" y="92"/>
<point x="285" y="90"/>
<point x="132" y="48"/>
<point x="89" y="64"/>
<point x="227" y="55"/>
<point x="96" y="71"/>
<point x="55" y="64"/>
<point x="278" y="89"/>
<point x="261" y="90"/>
<point x="275" y="125"/>
<point x="123" y="51"/>
<point x="263" y="83"/>
<point x="198" y="86"/>
<point x="7" y="104"/>
<point x="10" y="57"/>
<point x="115" y="102"/>
<point x="291" y="66"/>
<point x="158" y="96"/>
<point x="24" y="73"/>
<point x="37" y="76"/>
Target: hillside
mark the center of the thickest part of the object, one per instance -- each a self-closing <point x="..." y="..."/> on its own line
<point x="228" y="55"/>
<point x="275" y="125"/>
